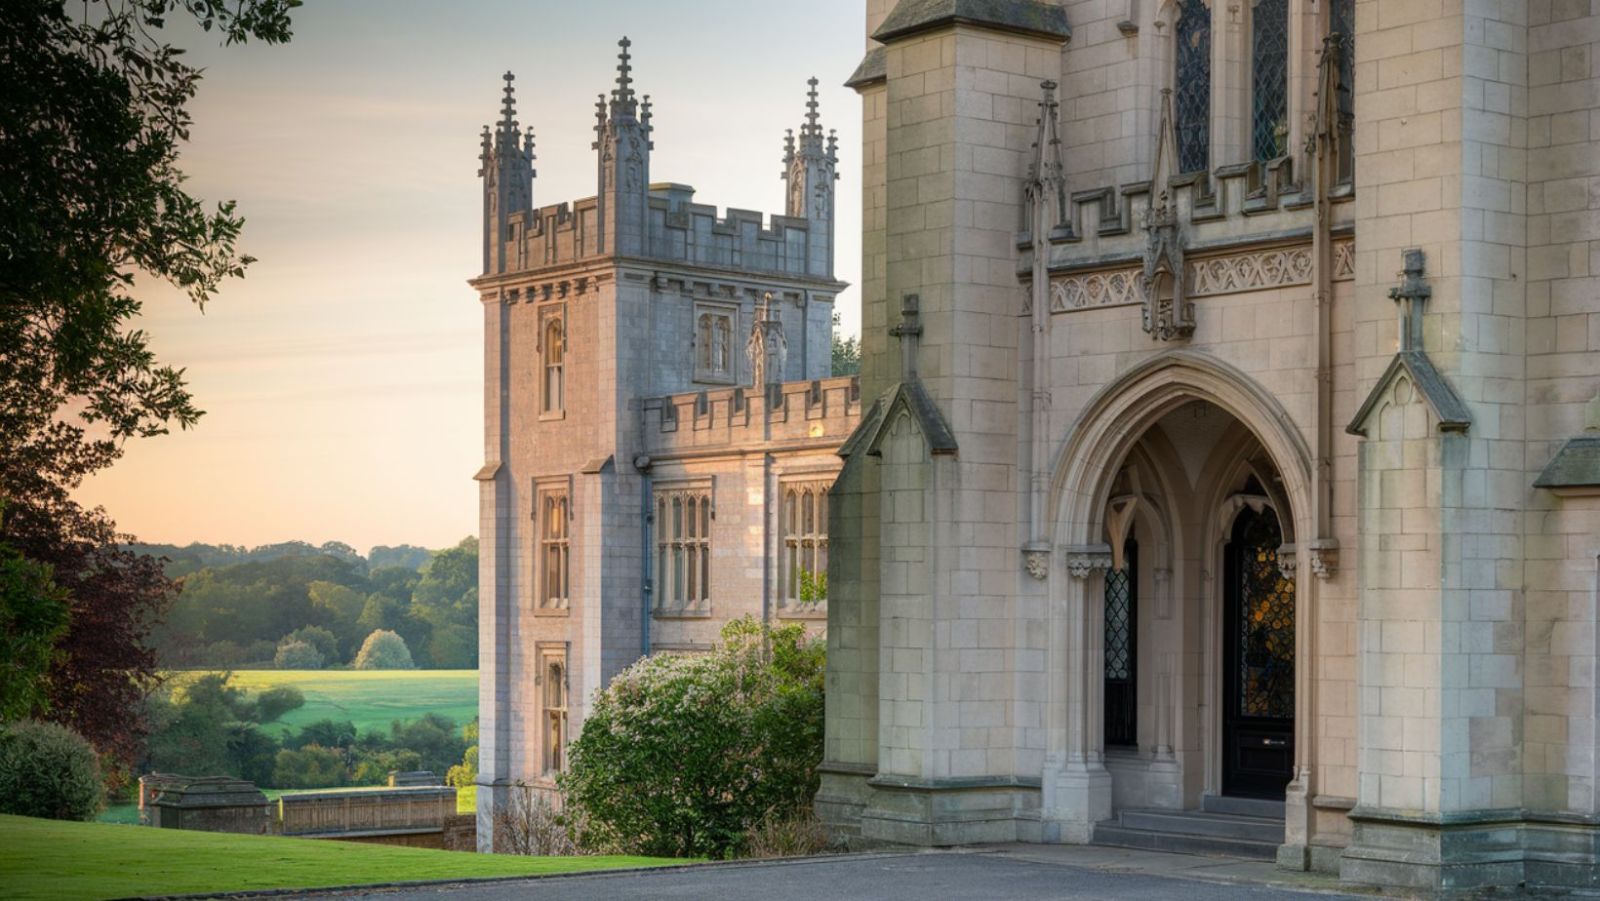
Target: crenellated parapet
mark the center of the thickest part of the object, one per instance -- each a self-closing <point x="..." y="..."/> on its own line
<point x="788" y="415"/>
<point x="678" y="231"/>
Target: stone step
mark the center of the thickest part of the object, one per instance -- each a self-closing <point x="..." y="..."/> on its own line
<point x="1110" y="833"/>
<point x="1243" y="807"/>
<point x="1194" y="822"/>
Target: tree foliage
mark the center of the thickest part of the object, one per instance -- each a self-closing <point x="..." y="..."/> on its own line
<point x="296" y="654"/>
<point x="93" y="110"/>
<point x="681" y="755"/>
<point x="384" y="650"/>
<point x="47" y="770"/>
<point x="33" y="615"/>
<point x="846" y="351"/>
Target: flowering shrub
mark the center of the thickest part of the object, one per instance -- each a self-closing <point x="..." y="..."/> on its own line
<point x="682" y="755"/>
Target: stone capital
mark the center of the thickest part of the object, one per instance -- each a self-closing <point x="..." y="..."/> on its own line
<point x="1083" y="559"/>
<point x="1036" y="560"/>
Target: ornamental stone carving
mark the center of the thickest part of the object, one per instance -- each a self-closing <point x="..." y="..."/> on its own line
<point x="1250" y="271"/>
<point x="1085" y="559"/>
<point x="1037" y="562"/>
<point x="1095" y="289"/>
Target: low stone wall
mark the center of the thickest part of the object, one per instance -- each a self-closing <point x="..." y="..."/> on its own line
<point x="459" y="833"/>
<point x="392" y="811"/>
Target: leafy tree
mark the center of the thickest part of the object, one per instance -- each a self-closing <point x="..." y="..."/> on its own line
<point x="312" y="766"/>
<point x="465" y="773"/>
<point x="297" y="655"/>
<point x="433" y="737"/>
<point x="384" y="650"/>
<point x="447" y="593"/>
<point x="92" y="113"/>
<point x="316" y="636"/>
<point x="33" y="616"/>
<point x="682" y="755"/>
<point x="846" y="351"/>
<point x="404" y="556"/>
<point x="453" y="647"/>
<point x="326" y="734"/>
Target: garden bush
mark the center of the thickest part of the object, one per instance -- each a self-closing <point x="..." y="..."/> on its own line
<point x="48" y="771"/>
<point x="384" y="649"/>
<point x="297" y="655"/>
<point x="684" y="755"/>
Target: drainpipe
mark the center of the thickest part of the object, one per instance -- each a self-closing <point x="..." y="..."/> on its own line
<point x="768" y="551"/>
<point x="646" y="522"/>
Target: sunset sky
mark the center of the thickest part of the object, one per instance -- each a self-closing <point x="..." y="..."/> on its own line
<point x="342" y="377"/>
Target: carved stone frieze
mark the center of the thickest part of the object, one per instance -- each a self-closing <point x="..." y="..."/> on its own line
<point x="1257" y="271"/>
<point x="1095" y="289"/>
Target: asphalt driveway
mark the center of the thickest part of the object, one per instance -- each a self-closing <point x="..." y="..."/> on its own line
<point x="882" y="877"/>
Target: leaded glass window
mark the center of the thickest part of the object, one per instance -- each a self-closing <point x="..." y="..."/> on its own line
<point x="683" y="549"/>
<point x="1121" y="649"/>
<point x="1264" y="626"/>
<point x="1269" y="30"/>
<point x="805" y="543"/>
<point x="1192" y="86"/>
<point x="1343" y="23"/>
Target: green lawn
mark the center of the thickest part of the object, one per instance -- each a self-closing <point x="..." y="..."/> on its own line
<point x="51" y="859"/>
<point x="372" y="699"/>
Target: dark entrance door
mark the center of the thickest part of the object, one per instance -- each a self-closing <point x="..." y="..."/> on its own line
<point x="1258" y="661"/>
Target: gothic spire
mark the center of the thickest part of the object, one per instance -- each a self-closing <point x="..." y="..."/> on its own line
<point x="811" y="128"/>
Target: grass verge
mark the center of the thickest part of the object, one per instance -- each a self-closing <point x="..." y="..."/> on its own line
<point x="54" y="859"/>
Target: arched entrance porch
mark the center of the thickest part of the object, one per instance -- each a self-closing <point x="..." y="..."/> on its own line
<point x="1179" y="627"/>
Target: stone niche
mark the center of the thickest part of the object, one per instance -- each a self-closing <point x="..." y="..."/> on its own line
<point x="204" y="803"/>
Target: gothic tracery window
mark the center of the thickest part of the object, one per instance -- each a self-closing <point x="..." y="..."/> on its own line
<point x="1192" y="86"/>
<point x="714" y="346"/>
<point x="553" y="673"/>
<point x="554" y="550"/>
<point x="1269" y="79"/>
<point x="805" y="543"/>
<point x="553" y="345"/>
<point x="683" y="548"/>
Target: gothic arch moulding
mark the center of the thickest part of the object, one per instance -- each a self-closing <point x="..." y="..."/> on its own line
<point x="1110" y="424"/>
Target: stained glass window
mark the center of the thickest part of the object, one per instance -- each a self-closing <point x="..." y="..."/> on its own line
<point x="1269" y="28"/>
<point x="1121" y="650"/>
<point x="1192" y="86"/>
<point x="1264" y="631"/>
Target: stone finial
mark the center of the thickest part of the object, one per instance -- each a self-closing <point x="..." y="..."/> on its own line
<point x="909" y="331"/>
<point x="812" y="117"/>
<point x="624" y="89"/>
<point x="1410" y="295"/>
<point x="508" y="106"/>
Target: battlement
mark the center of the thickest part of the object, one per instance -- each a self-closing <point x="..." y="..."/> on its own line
<point x="818" y="412"/>
<point x="1234" y="204"/>
<point x="678" y="231"/>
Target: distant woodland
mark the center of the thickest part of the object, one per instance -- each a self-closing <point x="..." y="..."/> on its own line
<point x="301" y="606"/>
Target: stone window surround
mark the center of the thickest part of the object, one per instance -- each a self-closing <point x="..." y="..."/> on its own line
<point x="793" y="538"/>
<point x="705" y="369"/>
<point x="554" y="702"/>
<point x="690" y="545"/>
<point x="553" y="361"/>
<point x="546" y="490"/>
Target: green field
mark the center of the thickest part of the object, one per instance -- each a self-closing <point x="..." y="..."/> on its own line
<point x="372" y="699"/>
<point x="52" y="859"/>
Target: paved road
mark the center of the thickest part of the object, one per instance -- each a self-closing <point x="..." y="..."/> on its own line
<point x="908" y="877"/>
